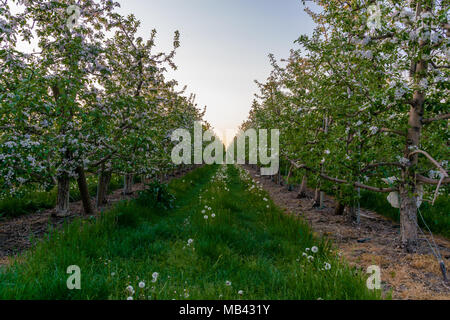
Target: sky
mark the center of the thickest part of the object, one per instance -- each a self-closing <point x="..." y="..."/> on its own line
<point x="224" y="46"/>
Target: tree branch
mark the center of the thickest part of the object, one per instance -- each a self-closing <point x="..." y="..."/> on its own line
<point x="437" y="118"/>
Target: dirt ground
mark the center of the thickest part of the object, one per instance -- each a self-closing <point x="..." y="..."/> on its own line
<point x="409" y="276"/>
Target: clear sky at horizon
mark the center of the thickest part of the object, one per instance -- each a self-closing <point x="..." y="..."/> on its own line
<point x="224" y="46"/>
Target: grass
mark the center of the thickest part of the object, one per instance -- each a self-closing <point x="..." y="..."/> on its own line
<point x="437" y="217"/>
<point x="249" y="242"/>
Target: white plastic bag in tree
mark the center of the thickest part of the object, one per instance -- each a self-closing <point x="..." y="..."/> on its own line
<point x="394" y="199"/>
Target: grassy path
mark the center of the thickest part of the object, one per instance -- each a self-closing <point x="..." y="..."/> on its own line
<point x="223" y="240"/>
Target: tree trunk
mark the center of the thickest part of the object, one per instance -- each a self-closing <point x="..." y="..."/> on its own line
<point x="104" y="179"/>
<point x="408" y="206"/>
<point x="84" y="191"/>
<point x="128" y="184"/>
<point x="303" y="187"/>
<point x="62" y="199"/>
<point x="350" y="214"/>
<point x="339" y="210"/>
<point x="316" y="202"/>
<point x="408" y="220"/>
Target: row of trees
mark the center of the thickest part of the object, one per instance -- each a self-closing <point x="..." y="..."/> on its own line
<point x="91" y="98"/>
<point x="365" y="106"/>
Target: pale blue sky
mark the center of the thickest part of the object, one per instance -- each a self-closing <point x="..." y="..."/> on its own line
<point x="224" y="46"/>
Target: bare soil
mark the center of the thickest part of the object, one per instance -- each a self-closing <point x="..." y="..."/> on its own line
<point x="407" y="276"/>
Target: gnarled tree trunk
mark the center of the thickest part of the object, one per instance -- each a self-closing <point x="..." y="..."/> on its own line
<point x="303" y="188"/>
<point x="316" y="202"/>
<point x="104" y="179"/>
<point x="408" y="219"/>
<point x="128" y="184"/>
<point x="351" y="214"/>
<point x="62" y="199"/>
<point x="84" y="191"/>
<point x="339" y="210"/>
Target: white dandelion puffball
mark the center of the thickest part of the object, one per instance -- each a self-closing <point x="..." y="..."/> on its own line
<point x="265" y="199"/>
<point x="213" y="215"/>
<point x="130" y="289"/>
<point x="206" y="217"/>
<point x="310" y="258"/>
<point x="142" y="284"/>
<point x="190" y="241"/>
<point x="130" y="298"/>
<point x="155" y="276"/>
<point x="228" y="283"/>
<point x="240" y="292"/>
<point x="327" y="266"/>
<point x="315" y="249"/>
<point x="203" y="211"/>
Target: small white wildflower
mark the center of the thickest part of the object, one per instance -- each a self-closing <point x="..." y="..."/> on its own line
<point x="228" y="283"/>
<point x="130" y="289"/>
<point x="206" y="217"/>
<point x="315" y="249"/>
<point x="142" y="284"/>
<point x="213" y="215"/>
<point x="130" y="298"/>
<point x="327" y="266"/>
<point x="155" y="277"/>
<point x="240" y="292"/>
<point x="310" y="258"/>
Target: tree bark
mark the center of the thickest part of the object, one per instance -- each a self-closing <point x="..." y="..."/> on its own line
<point x="62" y="199"/>
<point x="104" y="179"/>
<point x="316" y="202"/>
<point x="339" y="210"/>
<point x="128" y="184"/>
<point x="408" y="205"/>
<point x="303" y="187"/>
<point x="408" y="220"/>
<point x="350" y="213"/>
<point x="84" y="191"/>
